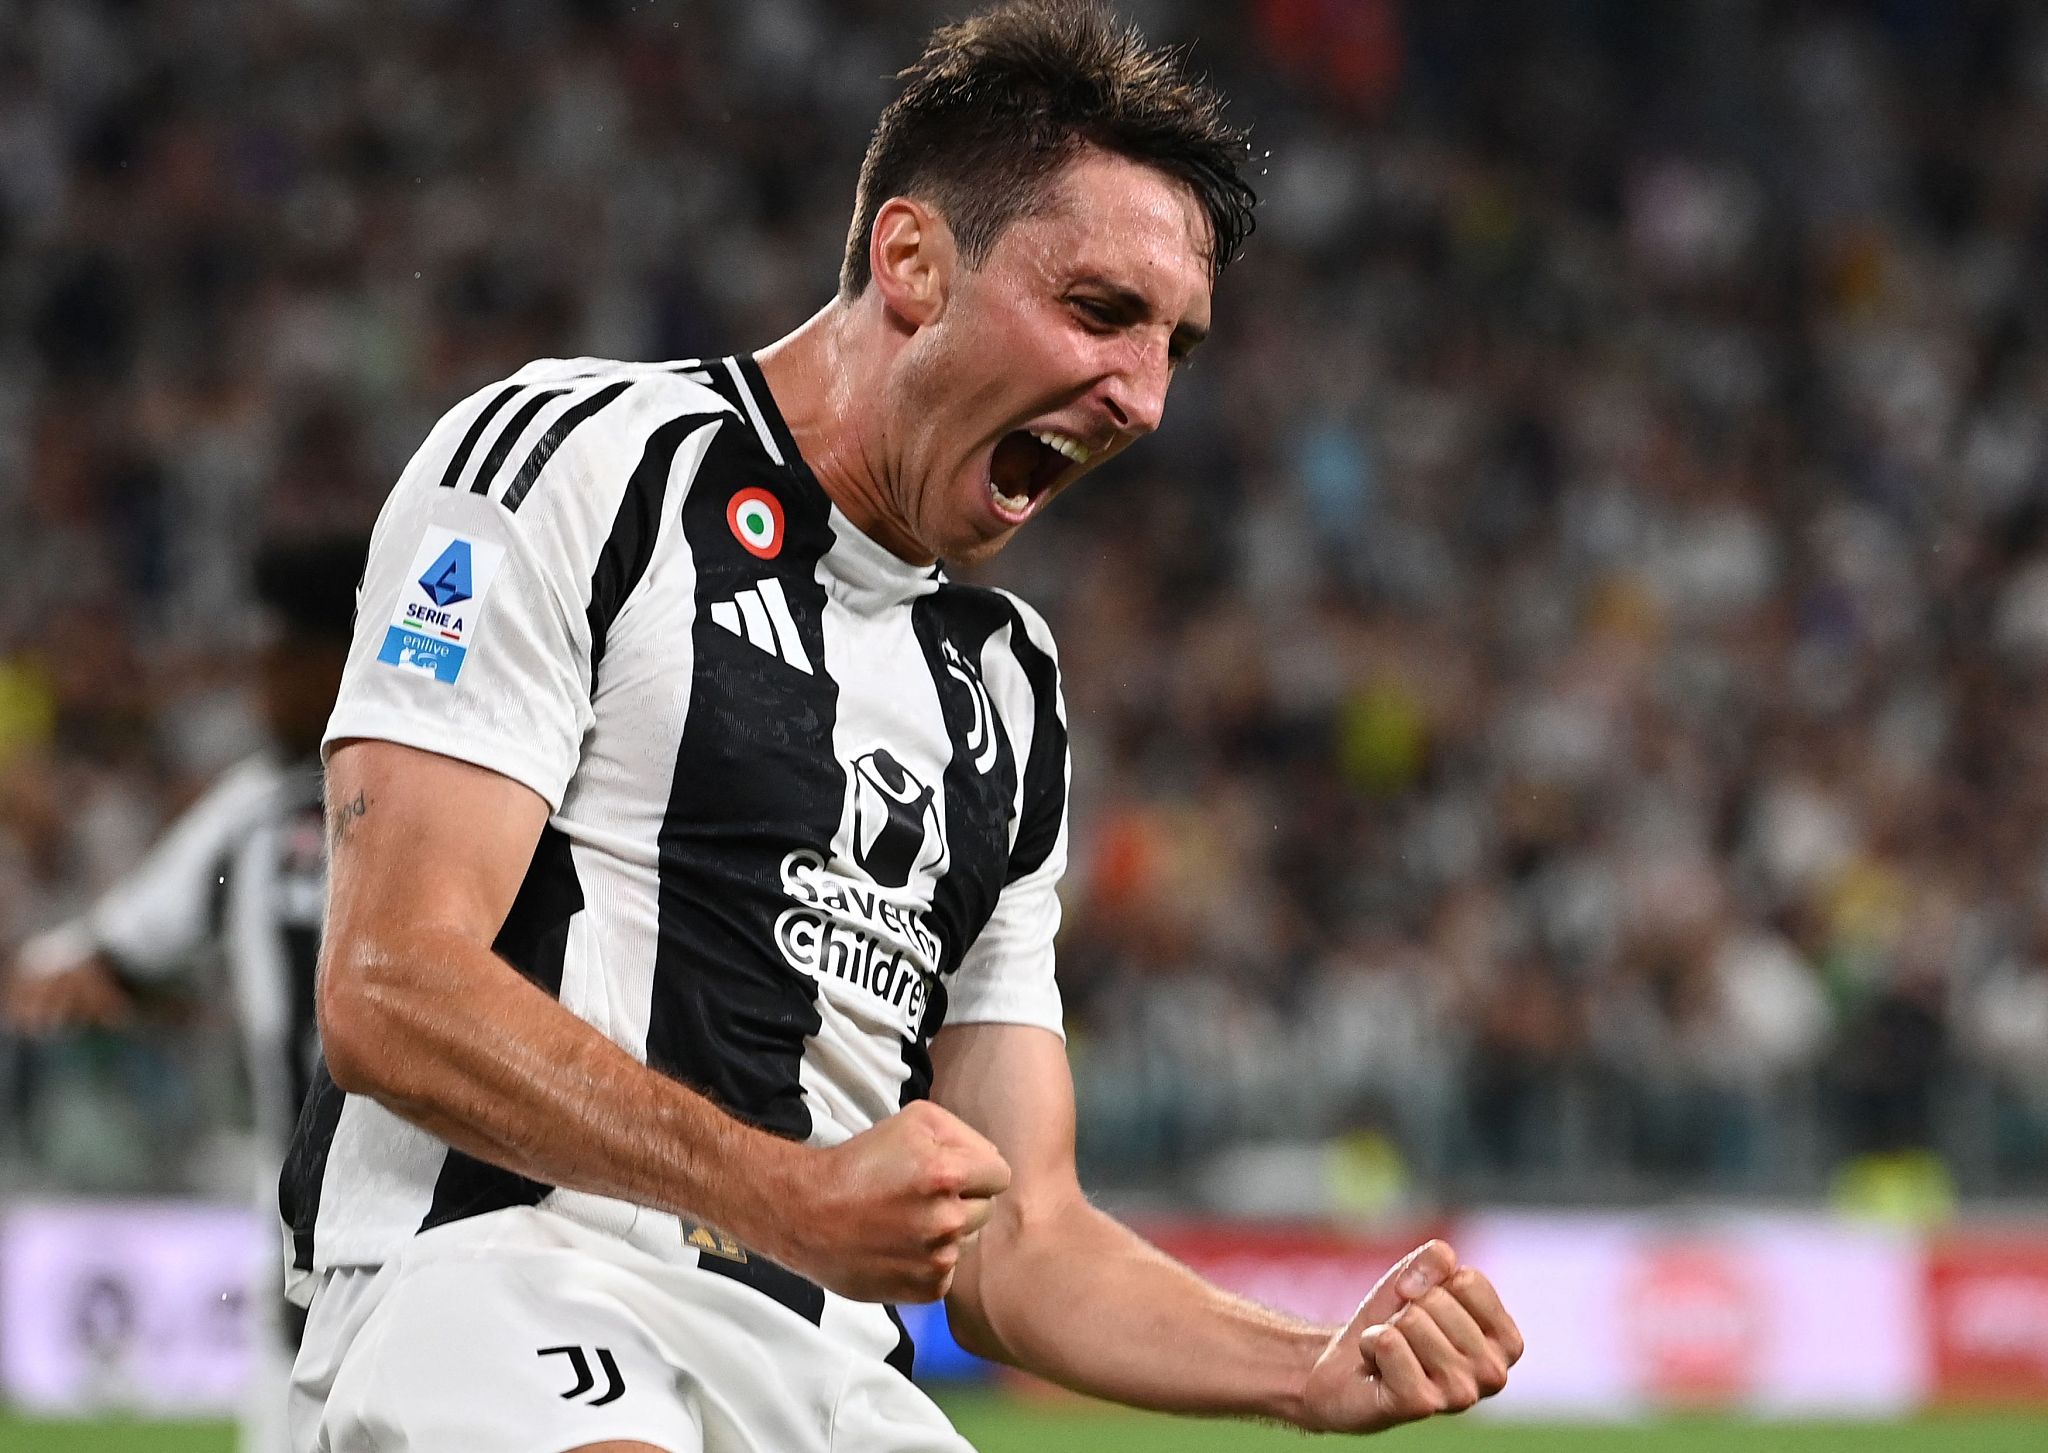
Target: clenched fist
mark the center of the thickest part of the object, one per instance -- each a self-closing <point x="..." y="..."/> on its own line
<point x="884" y="1215"/>
<point x="1432" y="1338"/>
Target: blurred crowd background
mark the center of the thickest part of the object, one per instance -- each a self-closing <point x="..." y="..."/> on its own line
<point x="1560" y="712"/>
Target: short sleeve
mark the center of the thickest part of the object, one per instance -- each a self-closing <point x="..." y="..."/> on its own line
<point x="1007" y="974"/>
<point x="473" y="628"/>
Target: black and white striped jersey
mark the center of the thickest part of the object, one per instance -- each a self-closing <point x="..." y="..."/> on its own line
<point x="235" y="887"/>
<point x="808" y="800"/>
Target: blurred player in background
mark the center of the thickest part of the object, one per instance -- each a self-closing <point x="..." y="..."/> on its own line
<point x="689" y="987"/>
<point x="231" y="895"/>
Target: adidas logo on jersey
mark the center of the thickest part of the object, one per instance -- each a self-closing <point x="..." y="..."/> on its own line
<point x="761" y="616"/>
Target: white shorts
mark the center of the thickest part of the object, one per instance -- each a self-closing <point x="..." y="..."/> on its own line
<point x="524" y="1332"/>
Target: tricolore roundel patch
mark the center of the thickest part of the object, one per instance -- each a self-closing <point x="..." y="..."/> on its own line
<point x="756" y="519"/>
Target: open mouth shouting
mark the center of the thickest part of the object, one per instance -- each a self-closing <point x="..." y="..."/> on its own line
<point x="1028" y="465"/>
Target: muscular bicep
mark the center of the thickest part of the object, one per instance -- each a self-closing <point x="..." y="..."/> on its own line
<point x="421" y="845"/>
<point x="1011" y="1082"/>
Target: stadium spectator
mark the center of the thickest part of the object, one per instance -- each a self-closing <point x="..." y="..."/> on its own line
<point x="1621" y="470"/>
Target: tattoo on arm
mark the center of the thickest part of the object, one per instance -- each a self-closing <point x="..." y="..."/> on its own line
<point x="345" y="816"/>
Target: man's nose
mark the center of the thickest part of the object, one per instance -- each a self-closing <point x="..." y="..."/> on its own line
<point x="1136" y="395"/>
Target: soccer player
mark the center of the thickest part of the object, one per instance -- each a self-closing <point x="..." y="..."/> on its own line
<point x="688" y="993"/>
<point x="236" y="883"/>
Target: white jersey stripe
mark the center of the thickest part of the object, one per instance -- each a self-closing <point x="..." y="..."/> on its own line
<point x="853" y="1068"/>
<point x="746" y="394"/>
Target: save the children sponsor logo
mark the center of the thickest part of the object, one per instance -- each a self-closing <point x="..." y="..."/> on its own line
<point x="842" y="930"/>
<point x="439" y="605"/>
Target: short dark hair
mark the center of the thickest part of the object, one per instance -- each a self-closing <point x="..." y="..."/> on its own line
<point x="998" y="103"/>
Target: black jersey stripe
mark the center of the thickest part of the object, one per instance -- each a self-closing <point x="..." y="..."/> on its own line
<point x="476" y="432"/>
<point x="1045" y="768"/>
<point x="801" y="1295"/>
<point x="754" y="399"/>
<point x="903" y="1357"/>
<point x="755" y="775"/>
<point x="494" y="459"/>
<point x="301" y="959"/>
<point x="298" y="942"/>
<point x="535" y="941"/>
<point x="561" y="429"/>
<point x="635" y="528"/>
<point x="269" y="949"/>
<point x="300" y="1181"/>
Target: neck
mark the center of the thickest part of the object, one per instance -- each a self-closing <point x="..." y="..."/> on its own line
<point x="812" y="373"/>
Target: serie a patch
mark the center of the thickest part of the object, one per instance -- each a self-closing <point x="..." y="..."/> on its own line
<point x="440" y="603"/>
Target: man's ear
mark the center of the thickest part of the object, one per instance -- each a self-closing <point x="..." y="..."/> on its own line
<point x="911" y="258"/>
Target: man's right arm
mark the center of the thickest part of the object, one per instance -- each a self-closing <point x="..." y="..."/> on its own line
<point x="419" y="1014"/>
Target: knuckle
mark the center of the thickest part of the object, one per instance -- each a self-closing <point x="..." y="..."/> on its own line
<point x="1464" y="1279"/>
<point x="1459" y="1394"/>
<point x="1491" y="1376"/>
<point x="1512" y="1345"/>
<point x="1424" y="1402"/>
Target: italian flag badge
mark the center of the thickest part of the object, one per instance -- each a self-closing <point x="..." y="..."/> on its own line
<point x="756" y="519"/>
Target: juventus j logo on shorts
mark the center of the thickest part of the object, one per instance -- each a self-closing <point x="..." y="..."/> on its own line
<point x="615" y="1383"/>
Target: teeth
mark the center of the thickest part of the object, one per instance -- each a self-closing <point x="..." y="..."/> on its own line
<point x="1016" y="504"/>
<point x="1073" y="449"/>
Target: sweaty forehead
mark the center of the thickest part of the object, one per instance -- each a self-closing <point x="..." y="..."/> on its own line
<point x="1109" y="217"/>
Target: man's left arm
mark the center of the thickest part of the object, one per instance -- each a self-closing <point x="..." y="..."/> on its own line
<point x="1056" y="1287"/>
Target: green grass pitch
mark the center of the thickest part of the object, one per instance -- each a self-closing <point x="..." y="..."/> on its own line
<point x="997" y="1425"/>
<point x="20" y="1435"/>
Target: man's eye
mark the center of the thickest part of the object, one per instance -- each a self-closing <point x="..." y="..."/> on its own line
<point x="1096" y="312"/>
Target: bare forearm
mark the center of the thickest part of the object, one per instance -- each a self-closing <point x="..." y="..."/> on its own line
<point x="1083" y="1301"/>
<point x="446" y="1035"/>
